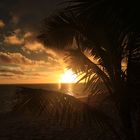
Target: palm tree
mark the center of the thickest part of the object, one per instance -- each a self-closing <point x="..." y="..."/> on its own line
<point x="110" y="31"/>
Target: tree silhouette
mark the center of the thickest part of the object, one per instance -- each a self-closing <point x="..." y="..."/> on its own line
<point x="110" y="32"/>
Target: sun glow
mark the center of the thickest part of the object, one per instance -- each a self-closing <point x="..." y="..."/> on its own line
<point x="68" y="77"/>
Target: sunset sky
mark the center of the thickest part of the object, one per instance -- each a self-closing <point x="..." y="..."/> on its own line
<point x="22" y="58"/>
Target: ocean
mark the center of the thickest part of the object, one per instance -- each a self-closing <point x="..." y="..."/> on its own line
<point x="7" y="92"/>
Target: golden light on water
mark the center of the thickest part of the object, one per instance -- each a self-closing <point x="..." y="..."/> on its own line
<point x="68" y="77"/>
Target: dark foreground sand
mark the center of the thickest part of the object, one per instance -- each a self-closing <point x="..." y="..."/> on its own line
<point x="62" y="117"/>
<point x="19" y="128"/>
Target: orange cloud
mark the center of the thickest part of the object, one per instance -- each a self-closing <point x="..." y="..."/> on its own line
<point x="34" y="46"/>
<point x="14" y="58"/>
<point x="13" y="40"/>
<point x="2" y="24"/>
<point x="28" y="34"/>
<point x="11" y="71"/>
<point x="17" y="31"/>
<point x="19" y="59"/>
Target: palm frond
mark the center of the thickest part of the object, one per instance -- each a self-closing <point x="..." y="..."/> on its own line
<point x="92" y="73"/>
<point x="58" y="30"/>
<point x="64" y="109"/>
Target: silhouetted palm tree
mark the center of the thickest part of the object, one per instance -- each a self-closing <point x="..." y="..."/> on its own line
<point x="110" y="31"/>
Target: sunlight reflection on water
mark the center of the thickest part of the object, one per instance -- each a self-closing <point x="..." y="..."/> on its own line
<point x="8" y="92"/>
<point x="70" y="88"/>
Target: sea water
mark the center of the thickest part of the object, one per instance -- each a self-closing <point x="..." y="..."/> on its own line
<point x="7" y="92"/>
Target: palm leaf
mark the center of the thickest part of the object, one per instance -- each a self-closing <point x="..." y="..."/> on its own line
<point x="58" y="30"/>
<point x="80" y="63"/>
<point x="66" y="109"/>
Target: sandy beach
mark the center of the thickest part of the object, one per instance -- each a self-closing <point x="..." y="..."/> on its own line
<point x="19" y="128"/>
<point x="63" y="118"/>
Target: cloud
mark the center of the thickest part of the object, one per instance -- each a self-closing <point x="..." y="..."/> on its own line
<point x="2" y="24"/>
<point x="11" y="71"/>
<point x="18" y="37"/>
<point x="14" y="58"/>
<point x="30" y="59"/>
<point x="19" y="59"/>
<point x="29" y="13"/>
<point x="34" y="46"/>
<point x="28" y="35"/>
<point x="13" y="40"/>
<point x="28" y="42"/>
<point x="20" y="72"/>
<point x="17" y="31"/>
<point x="4" y="75"/>
<point x="15" y="19"/>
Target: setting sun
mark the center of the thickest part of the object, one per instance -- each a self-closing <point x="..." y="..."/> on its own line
<point x="68" y="77"/>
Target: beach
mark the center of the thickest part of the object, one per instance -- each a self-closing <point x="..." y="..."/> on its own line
<point x="67" y="119"/>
